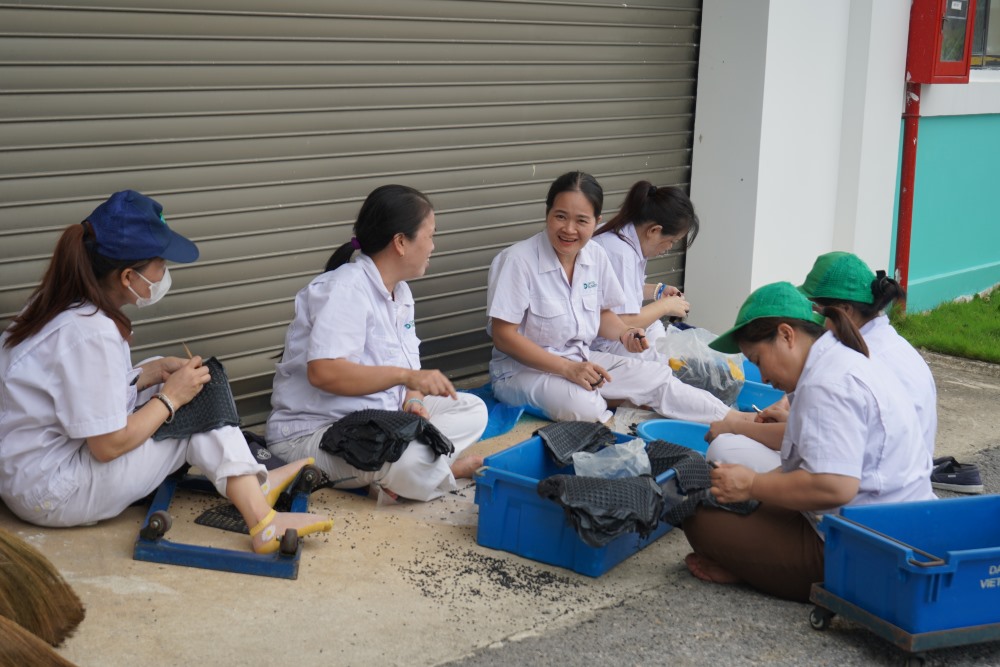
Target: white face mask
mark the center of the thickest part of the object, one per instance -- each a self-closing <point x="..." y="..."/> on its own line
<point x="157" y="290"/>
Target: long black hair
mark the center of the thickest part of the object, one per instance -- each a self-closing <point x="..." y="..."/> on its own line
<point x="766" y="328"/>
<point x="885" y="291"/>
<point x="388" y="210"/>
<point x="668" y="207"/>
<point x="576" y="181"/>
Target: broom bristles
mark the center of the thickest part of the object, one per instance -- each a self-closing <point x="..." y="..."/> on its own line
<point x="33" y="594"/>
<point x="20" y="648"/>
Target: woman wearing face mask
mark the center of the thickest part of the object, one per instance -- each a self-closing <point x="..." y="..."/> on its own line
<point x="353" y="346"/>
<point x="650" y="222"/>
<point x="76" y="419"/>
<point x="849" y="441"/>
<point x="549" y="298"/>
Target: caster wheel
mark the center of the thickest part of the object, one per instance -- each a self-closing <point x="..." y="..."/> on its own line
<point x="159" y="523"/>
<point x="289" y="543"/>
<point x="820" y="618"/>
<point x="307" y="480"/>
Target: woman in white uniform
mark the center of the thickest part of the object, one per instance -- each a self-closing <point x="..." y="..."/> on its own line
<point x="353" y="346"/>
<point x="550" y="296"/>
<point x="847" y="442"/>
<point x="76" y="448"/>
<point x="844" y="280"/>
<point x="650" y="222"/>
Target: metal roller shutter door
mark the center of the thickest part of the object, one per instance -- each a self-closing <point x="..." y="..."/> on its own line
<point x="261" y="129"/>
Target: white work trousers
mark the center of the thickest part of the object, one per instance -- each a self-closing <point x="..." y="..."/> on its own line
<point x="643" y="383"/>
<point x="733" y="448"/>
<point x="103" y="490"/>
<point x="418" y="474"/>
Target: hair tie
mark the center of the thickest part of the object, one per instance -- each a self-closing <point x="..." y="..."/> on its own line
<point x="652" y="190"/>
<point x="880" y="283"/>
<point x="355" y="243"/>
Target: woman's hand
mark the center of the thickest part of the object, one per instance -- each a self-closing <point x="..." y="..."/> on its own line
<point x="634" y="340"/>
<point x="777" y="413"/>
<point x="732" y="483"/>
<point x="157" y="371"/>
<point x="415" y="405"/>
<point x="184" y="383"/>
<point x="674" y="306"/>
<point x="430" y="383"/>
<point x="586" y="374"/>
<point x="670" y="290"/>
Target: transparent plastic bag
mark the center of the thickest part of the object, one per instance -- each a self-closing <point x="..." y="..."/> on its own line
<point x="628" y="459"/>
<point x="696" y="364"/>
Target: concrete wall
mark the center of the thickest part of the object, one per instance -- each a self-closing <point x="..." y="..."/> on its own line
<point x="796" y="142"/>
<point x="955" y="238"/>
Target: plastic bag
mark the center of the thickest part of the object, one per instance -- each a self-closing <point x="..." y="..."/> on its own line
<point x="628" y="459"/>
<point x="696" y="364"/>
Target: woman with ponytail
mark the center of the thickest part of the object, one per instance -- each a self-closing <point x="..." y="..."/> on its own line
<point x="842" y="279"/>
<point x="649" y="223"/>
<point x="353" y="346"/>
<point x="847" y="442"/>
<point x="77" y="420"/>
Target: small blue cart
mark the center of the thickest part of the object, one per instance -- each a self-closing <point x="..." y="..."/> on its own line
<point x="875" y="576"/>
<point x="150" y="545"/>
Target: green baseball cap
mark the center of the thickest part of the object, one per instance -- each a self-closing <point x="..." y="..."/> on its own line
<point x="840" y="275"/>
<point x="775" y="300"/>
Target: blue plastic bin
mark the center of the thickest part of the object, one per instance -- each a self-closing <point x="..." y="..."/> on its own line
<point x="900" y="585"/>
<point x="750" y="371"/>
<point x="689" y="434"/>
<point x="757" y="393"/>
<point x="514" y="518"/>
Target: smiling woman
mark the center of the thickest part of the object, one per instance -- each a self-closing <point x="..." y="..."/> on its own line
<point x="549" y="298"/>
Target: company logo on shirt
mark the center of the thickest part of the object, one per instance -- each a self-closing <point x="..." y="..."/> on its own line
<point x="591" y="285"/>
<point x="408" y="325"/>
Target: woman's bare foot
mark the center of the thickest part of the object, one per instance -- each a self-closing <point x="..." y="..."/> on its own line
<point x="707" y="569"/>
<point x="279" y="479"/>
<point x="266" y="536"/>
<point x="466" y="466"/>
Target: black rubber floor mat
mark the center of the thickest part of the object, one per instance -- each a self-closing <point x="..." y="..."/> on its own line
<point x="563" y="439"/>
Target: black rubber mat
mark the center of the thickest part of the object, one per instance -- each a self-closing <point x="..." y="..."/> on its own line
<point x="212" y="408"/>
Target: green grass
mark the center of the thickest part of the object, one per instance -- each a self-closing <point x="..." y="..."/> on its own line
<point x="970" y="330"/>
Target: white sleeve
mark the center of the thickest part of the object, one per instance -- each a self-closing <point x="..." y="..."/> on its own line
<point x="89" y="383"/>
<point x="509" y="290"/>
<point x="340" y="321"/>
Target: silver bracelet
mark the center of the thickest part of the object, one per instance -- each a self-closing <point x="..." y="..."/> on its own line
<point x="170" y="406"/>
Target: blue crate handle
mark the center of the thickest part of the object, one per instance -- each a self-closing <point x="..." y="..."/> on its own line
<point x="932" y="560"/>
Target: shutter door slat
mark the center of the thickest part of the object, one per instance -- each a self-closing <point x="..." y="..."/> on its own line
<point x="262" y="129"/>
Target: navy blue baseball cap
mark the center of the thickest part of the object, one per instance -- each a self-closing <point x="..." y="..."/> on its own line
<point x="130" y="226"/>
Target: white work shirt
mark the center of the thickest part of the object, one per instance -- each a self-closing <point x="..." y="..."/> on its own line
<point x="343" y="314"/>
<point x="887" y="347"/>
<point x="528" y="286"/>
<point x="849" y="418"/>
<point x="70" y="381"/>
<point x="628" y="263"/>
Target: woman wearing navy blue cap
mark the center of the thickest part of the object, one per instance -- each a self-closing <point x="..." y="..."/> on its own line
<point x="76" y="449"/>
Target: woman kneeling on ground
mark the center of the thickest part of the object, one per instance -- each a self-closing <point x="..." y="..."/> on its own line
<point x="76" y="449"/>
<point x="848" y="441"/>
<point x="353" y="346"/>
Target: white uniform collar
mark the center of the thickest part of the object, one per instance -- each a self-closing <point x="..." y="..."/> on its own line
<point x="876" y="322"/>
<point x="368" y="266"/>
<point x="632" y="238"/>
<point x="822" y="345"/>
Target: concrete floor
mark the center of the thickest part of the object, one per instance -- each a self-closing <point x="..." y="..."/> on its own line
<point x="394" y="584"/>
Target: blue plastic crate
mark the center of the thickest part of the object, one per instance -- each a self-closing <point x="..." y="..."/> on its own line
<point x="514" y="518"/>
<point x="757" y="393"/>
<point x="906" y="588"/>
<point x="689" y="434"/>
<point x="750" y="371"/>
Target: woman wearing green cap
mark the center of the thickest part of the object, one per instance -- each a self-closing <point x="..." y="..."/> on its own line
<point x="847" y="442"/>
<point x="77" y="420"/>
<point x="843" y="279"/>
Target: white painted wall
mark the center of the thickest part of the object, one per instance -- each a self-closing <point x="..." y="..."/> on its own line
<point x="796" y="142"/>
